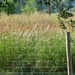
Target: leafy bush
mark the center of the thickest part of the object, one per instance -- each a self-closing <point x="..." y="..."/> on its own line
<point x="8" y="7"/>
<point x="30" y="7"/>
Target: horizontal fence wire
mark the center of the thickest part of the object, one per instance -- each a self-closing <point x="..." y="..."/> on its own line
<point x="36" y="73"/>
<point x="32" y="58"/>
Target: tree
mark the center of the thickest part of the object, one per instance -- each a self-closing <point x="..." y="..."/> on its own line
<point x="30" y="7"/>
<point x="7" y="6"/>
<point x="49" y="3"/>
<point x="49" y="7"/>
<point x="63" y="16"/>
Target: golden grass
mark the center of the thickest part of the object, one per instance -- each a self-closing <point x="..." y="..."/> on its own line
<point x="35" y="22"/>
<point x="13" y="22"/>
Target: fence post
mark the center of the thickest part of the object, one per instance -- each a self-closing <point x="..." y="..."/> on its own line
<point x="68" y="54"/>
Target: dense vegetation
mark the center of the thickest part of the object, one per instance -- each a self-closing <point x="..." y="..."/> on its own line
<point x="28" y="44"/>
<point x="33" y="42"/>
<point x="30" y="6"/>
<point x="17" y="6"/>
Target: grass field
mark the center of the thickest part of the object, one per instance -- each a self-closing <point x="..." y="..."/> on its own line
<point x="33" y="43"/>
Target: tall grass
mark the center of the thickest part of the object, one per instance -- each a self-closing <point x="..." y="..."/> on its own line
<point x="32" y="43"/>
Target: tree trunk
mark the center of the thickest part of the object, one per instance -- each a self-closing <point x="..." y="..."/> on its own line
<point x="49" y="7"/>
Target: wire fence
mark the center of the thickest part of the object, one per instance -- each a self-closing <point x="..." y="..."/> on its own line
<point x="33" y="58"/>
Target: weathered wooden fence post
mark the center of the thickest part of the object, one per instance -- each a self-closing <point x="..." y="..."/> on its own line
<point x="68" y="54"/>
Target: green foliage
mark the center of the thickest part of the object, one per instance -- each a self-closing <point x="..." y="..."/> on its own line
<point x="30" y="7"/>
<point x="73" y="52"/>
<point x="64" y="16"/>
<point x="72" y="23"/>
<point x="44" y="54"/>
<point x="1" y="5"/>
<point x="19" y="54"/>
<point x="8" y="7"/>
